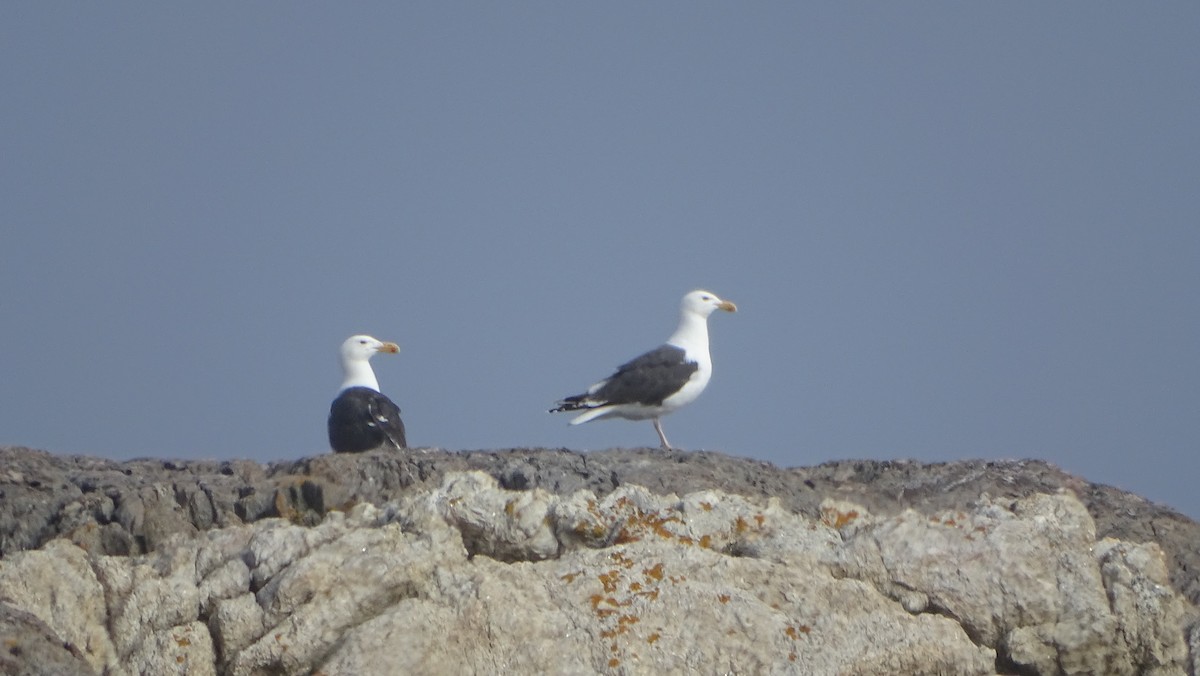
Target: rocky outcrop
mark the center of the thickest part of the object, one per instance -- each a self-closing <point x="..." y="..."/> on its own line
<point x="631" y="561"/>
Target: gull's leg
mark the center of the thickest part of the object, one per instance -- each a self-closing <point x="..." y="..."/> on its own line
<point x="662" y="437"/>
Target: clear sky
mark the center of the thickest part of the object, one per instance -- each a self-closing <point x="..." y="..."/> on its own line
<point x="953" y="230"/>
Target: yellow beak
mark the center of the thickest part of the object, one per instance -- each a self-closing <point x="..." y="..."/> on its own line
<point x="727" y="306"/>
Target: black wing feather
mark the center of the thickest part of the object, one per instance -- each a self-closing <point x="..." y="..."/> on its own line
<point x="647" y="380"/>
<point x="387" y="415"/>
<point x="361" y="419"/>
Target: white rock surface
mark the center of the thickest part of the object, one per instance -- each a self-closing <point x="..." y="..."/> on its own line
<point x="473" y="578"/>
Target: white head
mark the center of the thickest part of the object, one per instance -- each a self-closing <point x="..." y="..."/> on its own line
<point x="356" y="354"/>
<point x="704" y="303"/>
<point x="692" y="334"/>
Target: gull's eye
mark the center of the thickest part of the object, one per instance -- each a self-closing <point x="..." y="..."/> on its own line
<point x="362" y="342"/>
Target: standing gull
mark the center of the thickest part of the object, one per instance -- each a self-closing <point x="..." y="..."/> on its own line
<point x="361" y="418"/>
<point x="660" y="381"/>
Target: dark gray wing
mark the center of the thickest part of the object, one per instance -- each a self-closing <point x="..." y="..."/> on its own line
<point x="648" y="379"/>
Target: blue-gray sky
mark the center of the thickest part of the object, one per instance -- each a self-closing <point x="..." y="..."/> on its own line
<point x="954" y="230"/>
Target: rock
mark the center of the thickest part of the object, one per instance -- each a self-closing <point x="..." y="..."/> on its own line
<point x="128" y="508"/>
<point x="31" y="648"/>
<point x="1194" y="648"/>
<point x="1023" y="579"/>
<point x="185" y="649"/>
<point x="467" y="576"/>
<point x="510" y="526"/>
<point x="1135" y="579"/>
<point x="57" y="585"/>
<point x="234" y="624"/>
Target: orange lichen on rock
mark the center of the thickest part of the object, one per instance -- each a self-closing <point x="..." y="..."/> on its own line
<point x="594" y="531"/>
<point x="794" y="632"/>
<point x="658" y="525"/>
<point x="609" y="580"/>
<point x="652" y="594"/>
<point x="620" y="559"/>
<point x="625" y="537"/>
<point x="838" y="519"/>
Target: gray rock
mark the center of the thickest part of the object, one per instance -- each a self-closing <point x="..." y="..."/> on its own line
<point x="1025" y="581"/>
<point x="186" y="650"/>
<point x="466" y="576"/>
<point x="1135" y="579"/>
<point x="31" y="648"/>
<point x="57" y="585"/>
<point x="127" y="508"/>
<point x="96" y="503"/>
<point x="1194" y="648"/>
<point x="508" y="525"/>
<point x="226" y="564"/>
<point x="234" y="624"/>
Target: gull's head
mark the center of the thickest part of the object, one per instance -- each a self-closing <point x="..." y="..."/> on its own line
<point x="704" y="303"/>
<point x="362" y="348"/>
